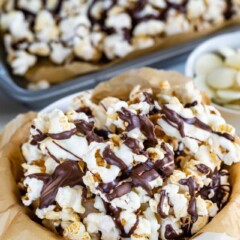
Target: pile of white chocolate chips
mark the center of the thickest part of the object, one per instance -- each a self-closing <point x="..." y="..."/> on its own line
<point x="147" y="167"/>
<point x="100" y="30"/>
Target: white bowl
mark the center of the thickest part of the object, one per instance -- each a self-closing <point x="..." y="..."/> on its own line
<point x="212" y="45"/>
<point x="61" y="104"/>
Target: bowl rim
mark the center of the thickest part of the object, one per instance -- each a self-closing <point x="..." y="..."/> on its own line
<point x="204" y="48"/>
<point x="62" y="103"/>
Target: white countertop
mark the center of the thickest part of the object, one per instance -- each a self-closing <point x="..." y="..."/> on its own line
<point x="9" y="108"/>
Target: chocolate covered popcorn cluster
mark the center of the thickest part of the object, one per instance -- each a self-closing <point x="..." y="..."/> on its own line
<point x="95" y="30"/>
<point x="147" y="167"/>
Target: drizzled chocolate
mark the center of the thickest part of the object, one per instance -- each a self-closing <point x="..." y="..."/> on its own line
<point x="216" y="191"/>
<point x="57" y="136"/>
<point x="229" y="12"/>
<point x="67" y="173"/>
<point x="110" y="157"/>
<point x="163" y="199"/>
<point x="170" y="233"/>
<point x="192" y="207"/>
<point x="63" y="135"/>
<point x="192" y="104"/>
<point x="139" y="121"/>
<point x="203" y="168"/>
<point x="115" y="214"/>
<point x="165" y="166"/>
<point x="140" y="175"/>
<point x="177" y="121"/>
<point x="87" y="128"/>
<point x="85" y="110"/>
<point x="133" y="144"/>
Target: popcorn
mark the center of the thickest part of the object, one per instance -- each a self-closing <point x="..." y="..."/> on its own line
<point x="22" y="62"/>
<point x="34" y="188"/>
<point x="39" y="48"/>
<point x="116" y="46"/>
<point x="119" y="21"/>
<point x="97" y="222"/>
<point x="99" y="31"/>
<point x="41" y="85"/>
<point x="151" y="27"/>
<point x="45" y="27"/>
<point x="85" y="50"/>
<point x="103" y="171"/>
<point x="70" y="198"/>
<point x="59" y="53"/>
<point x="76" y="231"/>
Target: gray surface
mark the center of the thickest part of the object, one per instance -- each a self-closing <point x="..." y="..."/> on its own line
<point x="10" y="108"/>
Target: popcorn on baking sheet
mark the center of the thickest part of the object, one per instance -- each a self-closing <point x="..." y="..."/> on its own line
<point x="93" y="31"/>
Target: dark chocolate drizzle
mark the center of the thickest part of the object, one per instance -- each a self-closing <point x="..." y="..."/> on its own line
<point x="115" y="214"/>
<point x="202" y="168"/>
<point x="57" y="136"/>
<point x="63" y="135"/>
<point x="140" y="175"/>
<point x="87" y="128"/>
<point x="170" y="233"/>
<point x="192" y="104"/>
<point x="177" y="121"/>
<point x="133" y="144"/>
<point x="142" y="122"/>
<point x="67" y="173"/>
<point x="220" y="191"/>
<point x="110" y="157"/>
<point x="165" y="166"/>
<point x="192" y="207"/>
<point x="85" y="110"/>
<point x="229" y="12"/>
<point x="163" y="198"/>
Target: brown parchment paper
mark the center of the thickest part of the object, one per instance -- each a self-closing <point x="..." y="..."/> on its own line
<point x="18" y="223"/>
<point x="46" y="70"/>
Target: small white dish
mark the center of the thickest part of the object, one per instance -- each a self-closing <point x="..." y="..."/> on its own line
<point x="212" y="45"/>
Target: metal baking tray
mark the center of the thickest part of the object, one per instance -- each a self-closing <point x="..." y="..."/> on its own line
<point x="14" y="86"/>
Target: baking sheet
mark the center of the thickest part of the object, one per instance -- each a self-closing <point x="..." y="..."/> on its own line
<point x="10" y="84"/>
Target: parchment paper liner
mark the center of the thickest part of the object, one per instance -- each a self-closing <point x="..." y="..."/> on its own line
<point x="59" y="73"/>
<point x="17" y="222"/>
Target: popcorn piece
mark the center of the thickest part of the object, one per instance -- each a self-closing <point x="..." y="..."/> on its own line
<point x="119" y="21"/>
<point x="176" y="23"/>
<point x="45" y="27"/>
<point x="97" y="222"/>
<point x="34" y="188"/>
<point x="116" y="46"/>
<point x="76" y="231"/>
<point x="41" y="85"/>
<point x="31" y="6"/>
<point x="151" y="27"/>
<point x="129" y="202"/>
<point x="39" y="48"/>
<point x="17" y="25"/>
<point x="85" y="50"/>
<point x="195" y="9"/>
<point x="22" y="62"/>
<point x="59" y="53"/>
<point x="143" y="230"/>
<point x="70" y="198"/>
<point x="31" y="152"/>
